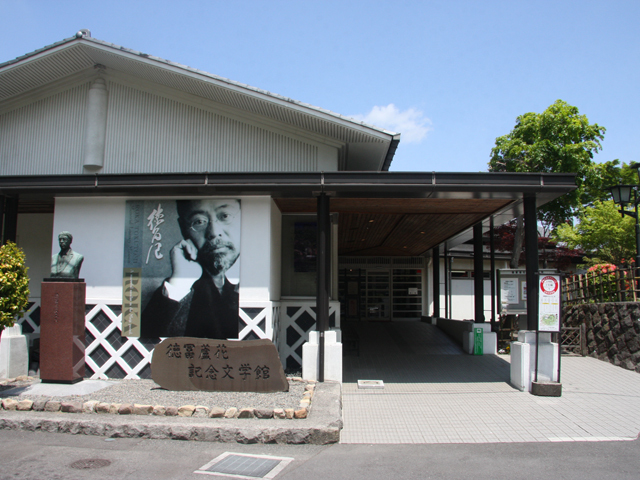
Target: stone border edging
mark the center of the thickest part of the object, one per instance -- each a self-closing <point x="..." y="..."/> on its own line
<point x="322" y="425"/>
<point x="200" y="411"/>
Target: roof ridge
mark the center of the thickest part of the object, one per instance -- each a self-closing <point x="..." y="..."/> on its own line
<point x="85" y="36"/>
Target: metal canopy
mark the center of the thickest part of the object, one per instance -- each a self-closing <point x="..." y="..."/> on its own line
<point x="388" y="213"/>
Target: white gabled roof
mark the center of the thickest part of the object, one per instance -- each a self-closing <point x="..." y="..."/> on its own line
<point x="365" y="147"/>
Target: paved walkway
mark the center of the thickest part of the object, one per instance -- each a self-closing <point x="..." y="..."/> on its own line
<point x="434" y="393"/>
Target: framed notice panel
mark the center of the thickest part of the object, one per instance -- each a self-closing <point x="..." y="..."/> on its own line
<point x="549" y="303"/>
<point x="512" y="289"/>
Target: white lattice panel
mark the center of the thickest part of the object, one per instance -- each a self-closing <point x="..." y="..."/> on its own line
<point x="258" y="319"/>
<point x="297" y="319"/>
<point x="110" y="355"/>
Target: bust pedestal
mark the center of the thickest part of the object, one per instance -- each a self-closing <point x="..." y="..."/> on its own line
<point x="62" y="330"/>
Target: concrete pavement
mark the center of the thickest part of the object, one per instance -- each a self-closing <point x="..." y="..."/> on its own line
<point x="40" y="455"/>
<point x="434" y="393"/>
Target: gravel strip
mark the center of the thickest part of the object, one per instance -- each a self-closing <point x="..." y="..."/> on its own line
<point x="147" y="392"/>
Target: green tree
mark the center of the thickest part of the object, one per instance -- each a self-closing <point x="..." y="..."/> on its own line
<point x="558" y="140"/>
<point x="604" y="176"/>
<point x="14" y="285"/>
<point x="602" y="233"/>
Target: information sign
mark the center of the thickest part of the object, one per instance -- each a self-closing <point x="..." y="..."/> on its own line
<point x="549" y="304"/>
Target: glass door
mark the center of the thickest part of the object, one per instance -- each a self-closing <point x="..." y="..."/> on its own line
<point x="377" y="295"/>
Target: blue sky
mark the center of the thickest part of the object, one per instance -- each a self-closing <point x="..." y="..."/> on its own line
<point x="451" y="76"/>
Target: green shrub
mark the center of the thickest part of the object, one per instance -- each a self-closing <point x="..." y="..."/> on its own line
<point x="14" y="284"/>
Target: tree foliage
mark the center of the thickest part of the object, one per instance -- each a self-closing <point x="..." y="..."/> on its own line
<point x="558" y="140"/>
<point x="14" y="284"/>
<point x="604" y="176"/>
<point x="602" y="233"/>
<point x="548" y="249"/>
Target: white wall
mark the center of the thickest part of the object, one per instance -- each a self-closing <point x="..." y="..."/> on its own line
<point x="97" y="225"/>
<point x="34" y="238"/>
<point x="148" y="128"/>
<point x="327" y="158"/>
<point x="463" y="301"/>
<point x="255" y="250"/>
<point x="276" y="252"/>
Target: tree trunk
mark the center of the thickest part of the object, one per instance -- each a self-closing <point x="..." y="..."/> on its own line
<point x="517" y="243"/>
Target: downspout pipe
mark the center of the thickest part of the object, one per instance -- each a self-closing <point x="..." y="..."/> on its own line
<point x="95" y="132"/>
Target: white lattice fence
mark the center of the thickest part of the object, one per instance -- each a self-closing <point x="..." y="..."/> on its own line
<point x="257" y="318"/>
<point x="110" y="355"/>
<point x="107" y="353"/>
<point x="297" y="319"/>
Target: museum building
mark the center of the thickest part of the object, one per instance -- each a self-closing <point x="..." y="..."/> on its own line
<point x="103" y="142"/>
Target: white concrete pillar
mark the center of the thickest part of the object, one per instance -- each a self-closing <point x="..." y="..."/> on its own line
<point x="523" y="359"/>
<point x="14" y="354"/>
<point x="332" y="356"/>
<point x="95" y="131"/>
<point x="489" y="339"/>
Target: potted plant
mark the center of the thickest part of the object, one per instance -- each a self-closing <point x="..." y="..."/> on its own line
<point x="14" y="285"/>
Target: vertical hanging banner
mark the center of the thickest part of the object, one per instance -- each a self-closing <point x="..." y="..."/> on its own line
<point x="549" y="304"/>
<point x="181" y="269"/>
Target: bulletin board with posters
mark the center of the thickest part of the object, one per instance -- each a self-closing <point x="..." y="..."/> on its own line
<point x="512" y="289"/>
<point x="511" y="284"/>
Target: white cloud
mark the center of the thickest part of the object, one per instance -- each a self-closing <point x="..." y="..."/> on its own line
<point x="411" y="123"/>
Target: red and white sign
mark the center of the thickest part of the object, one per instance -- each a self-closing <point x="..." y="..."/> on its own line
<point x="549" y="285"/>
<point x="549" y="304"/>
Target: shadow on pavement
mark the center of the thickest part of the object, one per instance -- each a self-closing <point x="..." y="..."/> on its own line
<point x="413" y="352"/>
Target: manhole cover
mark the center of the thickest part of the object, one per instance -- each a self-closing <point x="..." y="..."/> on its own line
<point x="88" y="463"/>
<point x="245" y="466"/>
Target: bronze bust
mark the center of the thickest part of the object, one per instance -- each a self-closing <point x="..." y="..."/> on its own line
<point x="67" y="263"/>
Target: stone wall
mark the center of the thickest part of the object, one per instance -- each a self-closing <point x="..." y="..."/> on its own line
<point x="613" y="331"/>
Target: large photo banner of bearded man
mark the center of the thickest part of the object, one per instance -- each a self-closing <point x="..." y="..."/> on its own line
<point x="182" y="268"/>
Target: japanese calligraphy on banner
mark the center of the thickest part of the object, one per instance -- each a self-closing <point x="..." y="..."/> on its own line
<point x="187" y="363"/>
<point x="176" y="252"/>
<point x="549" y="304"/>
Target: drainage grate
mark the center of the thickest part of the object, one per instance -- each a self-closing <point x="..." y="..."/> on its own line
<point x="245" y="466"/>
<point x="89" y="463"/>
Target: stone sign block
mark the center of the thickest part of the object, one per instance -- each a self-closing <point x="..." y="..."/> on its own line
<point x="186" y="363"/>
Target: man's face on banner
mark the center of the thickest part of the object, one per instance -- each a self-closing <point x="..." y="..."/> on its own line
<point x="213" y="225"/>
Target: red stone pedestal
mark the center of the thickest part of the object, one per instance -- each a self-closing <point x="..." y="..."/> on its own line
<point x="62" y="331"/>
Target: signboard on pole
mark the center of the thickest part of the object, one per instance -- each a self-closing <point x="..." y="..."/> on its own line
<point x="549" y="304"/>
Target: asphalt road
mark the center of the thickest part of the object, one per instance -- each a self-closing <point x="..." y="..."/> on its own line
<point x="39" y="455"/>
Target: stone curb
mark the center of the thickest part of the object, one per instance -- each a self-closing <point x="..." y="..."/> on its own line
<point x="321" y="426"/>
<point x="93" y="406"/>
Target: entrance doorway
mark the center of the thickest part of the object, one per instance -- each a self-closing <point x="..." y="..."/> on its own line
<point x="377" y="295"/>
<point x="380" y="294"/>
